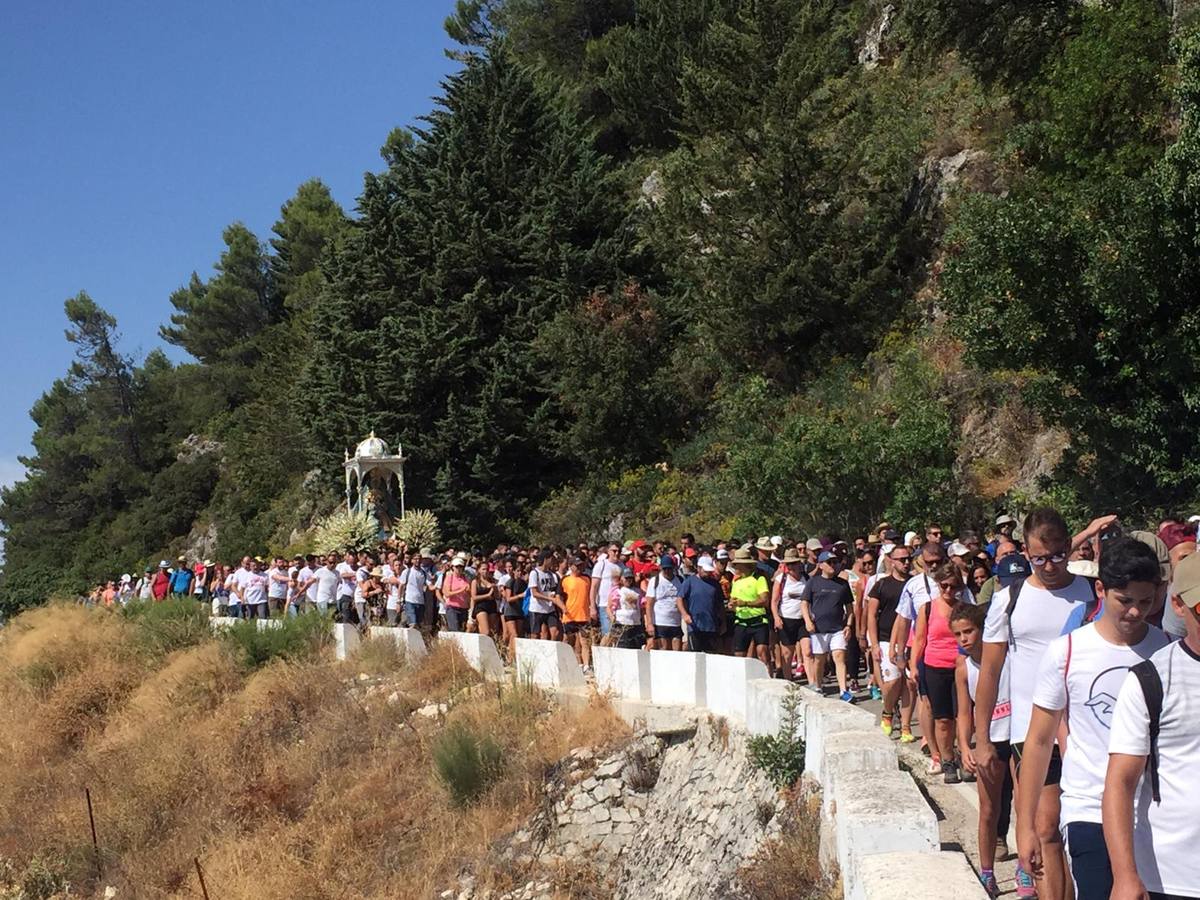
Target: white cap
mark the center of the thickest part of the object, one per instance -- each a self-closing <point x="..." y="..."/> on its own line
<point x="126" y="577"/>
<point x="957" y="549"/>
<point x="706" y="565"/>
<point x="908" y="537"/>
<point x="777" y="540"/>
<point x="704" y="560"/>
<point x="722" y="554"/>
<point x="887" y="548"/>
<point x="1193" y="518"/>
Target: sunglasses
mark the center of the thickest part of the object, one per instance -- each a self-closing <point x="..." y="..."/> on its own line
<point x="902" y="559"/>
<point x="1056" y="558"/>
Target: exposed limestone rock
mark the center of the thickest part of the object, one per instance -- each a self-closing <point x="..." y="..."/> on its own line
<point x="872" y="49"/>
<point x="194" y="447"/>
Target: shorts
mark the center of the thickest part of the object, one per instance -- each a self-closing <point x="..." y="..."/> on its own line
<point x="413" y="613"/>
<point x="629" y="637"/>
<point x="792" y="631"/>
<point x="392" y="616"/>
<point x="1053" y="771"/>
<point x="752" y="632"/>
<point x="583" y="628"/>
<point x="537" y="620"/>
<point x="704" y="641"/>
<point x="1091" y="868"/>
<point x="486" y="606"/>
<point x="939" y="682"/>
<point x="922" y="686"/>
<point x="887" y="669"/>
<point x="456" y="618"/>
<point x="512" y="612"/>
<point x="826" y="642"/>
<point x="668" y="632"/>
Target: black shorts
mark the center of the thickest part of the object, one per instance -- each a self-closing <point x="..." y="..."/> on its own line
<point x="922" y="687"/>
<point x="1053" y="771"/>
<point x="792" y="631"/>
<point x="577" y="627"/>
<point x="512" y="612"/>
<point x="747" y="633"/>
<point x="537" y="620"/>
<point x="629" y="637"/>
<point x="668" y="632"/>
<point x="486" y="606"/>
<point x="939" y="686"/>
<point x="704" y="641"/>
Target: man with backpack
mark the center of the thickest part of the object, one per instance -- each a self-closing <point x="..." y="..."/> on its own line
<point x="1050" y="601"/>
<point x="1155" y="745"/>
<point x="1078" y="682"/>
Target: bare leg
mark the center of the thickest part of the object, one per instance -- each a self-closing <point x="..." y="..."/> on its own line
<point x="839" y="665"/>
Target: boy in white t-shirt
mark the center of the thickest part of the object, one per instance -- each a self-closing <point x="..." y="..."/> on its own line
<point x="1151" y="806"/>
<point x="1052" y="601"/>
<point x="1078" y="681"/>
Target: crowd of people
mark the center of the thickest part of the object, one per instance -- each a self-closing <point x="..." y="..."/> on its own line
<point x="1077" y="710"/>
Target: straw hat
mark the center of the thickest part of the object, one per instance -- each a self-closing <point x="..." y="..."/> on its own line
<point x="743" y="557"/>
<point x="791" y="557"/>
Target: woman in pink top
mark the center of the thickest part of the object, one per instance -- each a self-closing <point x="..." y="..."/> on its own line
<point x="937" y="647"/>
<point x="456" y="594"/>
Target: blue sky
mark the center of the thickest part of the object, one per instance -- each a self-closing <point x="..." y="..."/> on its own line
<point x="132" y="132"/>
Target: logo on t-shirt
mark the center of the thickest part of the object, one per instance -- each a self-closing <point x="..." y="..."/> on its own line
<point x="1102" y="696"/>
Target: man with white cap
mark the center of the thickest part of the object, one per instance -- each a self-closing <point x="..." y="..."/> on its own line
<point x="702" y="607"/>
<point x="1004" y="532"/>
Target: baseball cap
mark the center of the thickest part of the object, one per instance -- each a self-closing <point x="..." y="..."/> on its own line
<point x="824" y="556"/>
<point x="1187" y="580"/>
<point x="665" y="562"/>
<point x="1005" y="519"/>
<point x="706" y="565"/>
<point x="908" y="537"/>
<point x="891" y="535"/>
<point x="959" y="549"/>
<point x="776" y="540"/>
<point x="814" y="544"/>
<point x="722" y="554"/>
<point x="1161" y="550"/>
<point x="627" y="572"/>
<point x="1173" y="534"/>
<point x="1012" y="567"/>
<point x="163" y="564"/>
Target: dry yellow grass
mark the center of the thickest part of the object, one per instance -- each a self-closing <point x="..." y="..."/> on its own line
<point x="289" y="782"/>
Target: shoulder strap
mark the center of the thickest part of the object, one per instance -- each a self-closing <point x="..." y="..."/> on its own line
<point x="1152" y="690"/>
<point x="1093" y="604"/>
<point x="1014" y="591"/>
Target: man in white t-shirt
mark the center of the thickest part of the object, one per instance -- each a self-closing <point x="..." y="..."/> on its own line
<point x="306" y="588"/>
<point x="545" y="604"/>
<point x="414" y="583"/>
<point x="1079" y="679"/>
<point x="277" y="584"/>
<point x="605" y="573"/>
<point x="1051" y="602"/>
<point x="347" y="571"/>
<point x="1152" y="792"/>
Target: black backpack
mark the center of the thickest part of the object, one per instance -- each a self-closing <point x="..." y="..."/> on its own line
<point x="1152" y="690"/>
<point x="1014" y="591"/>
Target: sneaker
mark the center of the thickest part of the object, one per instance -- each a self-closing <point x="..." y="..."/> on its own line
<point x="876" y="693"/>
<point x="1025" y="886"/>
<point x="907" y="737"/>
<point x="968" y="776"/>
<point x="950" y="773"/>
<point x="935" y="765"/>
<point x="1002" y="851"/>
<point x="885" y="723"/>
<point x="988" y="879"/>
<point x="847" y="696"/>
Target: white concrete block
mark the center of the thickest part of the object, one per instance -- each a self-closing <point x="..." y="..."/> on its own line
<point x="848" y="754"/>
<point x="880" y="812"/>
<point x="345" y="640"/>
<point x="940" y="876"/>
<point x="824" y="717"/>
<point x="264" y="624"/>
<point x="220" y="623"/>
<point x="548" y="664"/>
<point x="409" y="640"/>
<point x="726" y="684"/>
<point x="677" y="677"/>
<point x="479" y="651"/>
<point x="764" y="706"/>
<point x="621" y="673"/>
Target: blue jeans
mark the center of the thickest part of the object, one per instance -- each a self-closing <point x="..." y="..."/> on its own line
<point x="1090" y="866"/>
<point x="413" y="613"/>
<point x="605" y="622"/>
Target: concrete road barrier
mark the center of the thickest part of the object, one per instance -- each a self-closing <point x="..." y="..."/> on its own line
<point x="410" y="641"/>
<point x="764" y="706"/>
<point x="880" y="812"/>
<point x="823" y="718"/>
<point x="264" y="624"/>
<point x="941" y="876"/>
<point x="621" y="673"/>
<point x="677" y="678"/>
<point x="849" y="754"/>
<point x="480" y="652"/>
<point x="220" y="623"/>
<point x="345" y="640"/>
<point x="548" y="664"/>
<point x="726" y="684"/>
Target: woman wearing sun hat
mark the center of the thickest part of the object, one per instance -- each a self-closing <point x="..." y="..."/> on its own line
<point x="456" y="594"/>
<point x="785" y="611"/>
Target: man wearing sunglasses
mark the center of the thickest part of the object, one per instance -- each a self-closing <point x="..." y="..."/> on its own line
<point x="1050" y="602"/>
<point x="883" y="600"/>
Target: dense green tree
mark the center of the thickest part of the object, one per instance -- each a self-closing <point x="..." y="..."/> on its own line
<point x="499" y="216"/>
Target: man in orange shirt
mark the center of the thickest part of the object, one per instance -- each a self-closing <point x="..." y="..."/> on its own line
<point x="579" y="612"/>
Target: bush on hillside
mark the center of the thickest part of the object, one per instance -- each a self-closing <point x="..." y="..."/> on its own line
<point x="162" y="628"/>
<point x="293" y="639"/>
<point x="780" y="756"/>
<point x="465" y="762"/>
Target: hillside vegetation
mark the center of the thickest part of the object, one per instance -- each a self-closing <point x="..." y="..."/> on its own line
<point x="721" y="265"/>
<point x="298" y="778"/>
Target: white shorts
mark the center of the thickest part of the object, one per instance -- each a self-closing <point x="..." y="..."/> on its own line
<point x="824" y="643"/>
<point x="887" y="669"/>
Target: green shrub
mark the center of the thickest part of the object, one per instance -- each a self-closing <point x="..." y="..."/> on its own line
<point x="295" y="638"/>
<point x="466" y="762"/>
<point x="780" y="756"/>
<point x="161" y="628"/>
